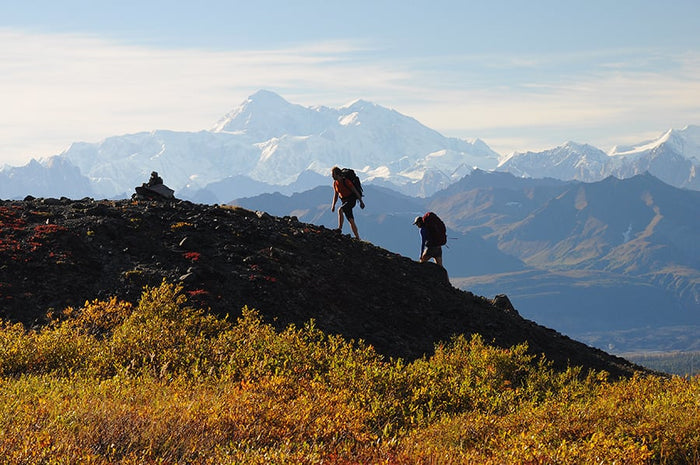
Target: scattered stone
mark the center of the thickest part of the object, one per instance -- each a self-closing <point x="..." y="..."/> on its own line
<point x="503" y="302"/>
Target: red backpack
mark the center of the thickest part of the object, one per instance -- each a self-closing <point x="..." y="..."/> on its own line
<point x="436" y="229"/>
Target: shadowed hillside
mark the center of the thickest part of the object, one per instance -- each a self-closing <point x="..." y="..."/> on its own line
<point x="57" y="253"/>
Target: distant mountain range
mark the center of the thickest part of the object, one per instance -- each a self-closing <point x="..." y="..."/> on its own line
<point x="588" y="259"/>
<point x="267" y="144"/>
<point x="600" y="257"/>
<point x="674" y="158"/>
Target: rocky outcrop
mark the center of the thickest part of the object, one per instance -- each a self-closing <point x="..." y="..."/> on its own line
<point x="60" y="252"/>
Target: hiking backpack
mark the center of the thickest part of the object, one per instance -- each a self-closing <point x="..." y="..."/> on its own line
<point x="349" y="173"/>
<point x="436" y="228"/>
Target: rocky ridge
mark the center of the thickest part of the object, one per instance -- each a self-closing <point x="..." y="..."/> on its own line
<point x="56" y="253"/>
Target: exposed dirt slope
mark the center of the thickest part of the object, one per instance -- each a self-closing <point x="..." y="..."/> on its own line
<point x="59" y="252"/>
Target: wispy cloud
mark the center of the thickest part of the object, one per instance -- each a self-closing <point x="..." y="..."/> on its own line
<point x="74" y="87"/>
<point x="65" y="88"/>
<point x="601" y="98"/>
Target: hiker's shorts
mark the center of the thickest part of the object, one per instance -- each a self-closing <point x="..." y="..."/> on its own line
<point x="433" y="252"/>
<point x="347" y="207"/>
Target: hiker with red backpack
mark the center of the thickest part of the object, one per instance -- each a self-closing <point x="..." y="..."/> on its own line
<point x="346" y="185"/>
<point x="433" y="236"/>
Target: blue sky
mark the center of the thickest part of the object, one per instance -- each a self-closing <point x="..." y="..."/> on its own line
<point x="520" y="75"/>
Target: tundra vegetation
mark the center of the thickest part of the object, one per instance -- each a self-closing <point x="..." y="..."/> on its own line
<point x="166" y="382"/>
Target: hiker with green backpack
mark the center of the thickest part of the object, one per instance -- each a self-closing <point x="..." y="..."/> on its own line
<point x="433" y="234"/>
<point x="347" y="186"/>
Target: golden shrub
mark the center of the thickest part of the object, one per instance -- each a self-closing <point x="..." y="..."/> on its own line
<point x="163" y="382"/>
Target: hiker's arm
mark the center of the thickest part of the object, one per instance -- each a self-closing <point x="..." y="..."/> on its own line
<point x="423" y="240"/>
<point x="335" y="199"/>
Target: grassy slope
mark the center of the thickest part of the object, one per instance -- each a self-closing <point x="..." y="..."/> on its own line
<point x="163" y="382"/>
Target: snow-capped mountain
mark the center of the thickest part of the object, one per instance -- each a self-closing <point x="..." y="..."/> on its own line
<point x="267" y="142"/>
<point x="379" y="142"/>
<point x="685" y="141"/>
<point x="55" y="177"/>
<point x="674" y="158"/>
<point x="569" y="161"/>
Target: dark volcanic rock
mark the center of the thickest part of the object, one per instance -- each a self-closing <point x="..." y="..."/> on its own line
<point x="59" y="252"/>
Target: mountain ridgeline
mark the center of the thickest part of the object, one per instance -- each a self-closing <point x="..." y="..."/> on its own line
<point x="589" y="259"/>
<point x="60" y="252"/>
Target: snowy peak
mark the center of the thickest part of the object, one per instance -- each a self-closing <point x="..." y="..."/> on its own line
<point x="267" y="98"/>
<point x="569" y="161"/>
<point x="642" y="147"/>
<point x="361" y="112"/>
<point x="575" y="146"/>
<point x="685" y="142"/>
<point x="672" y="157"/>
<point x="358" y="105"/>
<point x="266" y="115"/>
<point x="362" y="134"/>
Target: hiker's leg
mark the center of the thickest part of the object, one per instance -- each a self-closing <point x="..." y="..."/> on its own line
<point x="432" y="253"/>
<point x="438" y="256"/>
<point x="353" y="226"/>
<point x="340" y="219"/>
<point x="345" y="211"/>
